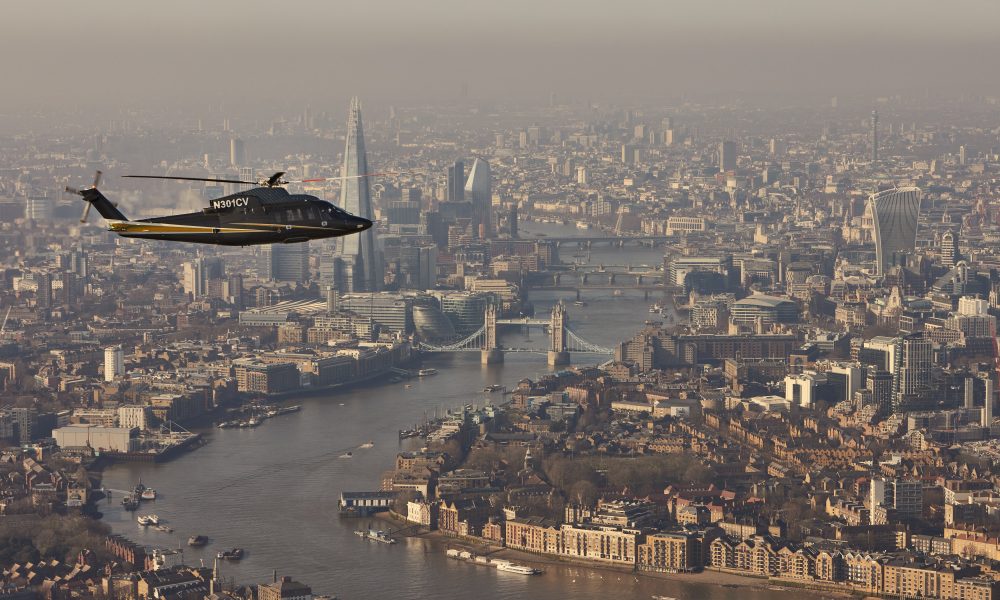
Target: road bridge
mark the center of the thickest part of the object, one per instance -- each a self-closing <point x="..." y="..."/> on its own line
<point x="562" y="339"/>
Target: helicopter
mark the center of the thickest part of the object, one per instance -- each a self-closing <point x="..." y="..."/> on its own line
<point x="265" y="214"/>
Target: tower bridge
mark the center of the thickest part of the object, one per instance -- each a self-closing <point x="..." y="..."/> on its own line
<point x="562" y="339"/>
<point x="649" y="241"/>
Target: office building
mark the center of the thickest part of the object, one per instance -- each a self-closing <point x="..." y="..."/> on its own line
<point x="949" y="249"/>
<point x="38" y="208"/>
<point x="802" y="389"/>
<point x="392" y="312"/>
<point x="418" y="267"/>
<point x="480" y="192"/>
<point x="912" y="378"/>
<point x="456" y="182"/>
<point x="680" y="267"/>
<point x="711" y="314"/>
<point x="628" y="154"/>
<point x="874" y="139"/>
<point x="903" y="496"/>
<point x="256" y="376"/>
<point x="894" y="215"/>
<point x="727" y="156"/>
<point x="465" y="310"/>
<point x="765" y="309"/>
<point x="247" y="174"/>
<point x="362" y="268"/>
<point x="114" y="363"/>
<point x="846" y="379"/>
<point x="285" y="262"/>
<point x="987" y="414"/>
<point x="237" y="153"/>
<point x="879" y="384"/>
<point x="332" y="300"/>
<point x="43" y="293"/>
<point x="196" y="274"/>
<point x="403" y="212"/>
<point x="677" y="224"/>
<point x="432" y="324"/>
<point x="133" y="417"/>
<point x="878" y="352"/>
<point x="24" y="421"/>
<point x="68" y="288"/>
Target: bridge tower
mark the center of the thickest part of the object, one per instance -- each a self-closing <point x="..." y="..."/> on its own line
<point x="558" y="355"/>
<point x="490" y="353"/>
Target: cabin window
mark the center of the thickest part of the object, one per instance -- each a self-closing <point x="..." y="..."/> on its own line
<point x="311" y="213"/>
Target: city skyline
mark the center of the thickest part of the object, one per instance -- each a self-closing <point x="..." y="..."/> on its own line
<point x="641" y="300"/>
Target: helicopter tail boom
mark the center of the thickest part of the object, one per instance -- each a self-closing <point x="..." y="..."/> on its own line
<point x="104" y="206"/>
<point x="93" y="197"/>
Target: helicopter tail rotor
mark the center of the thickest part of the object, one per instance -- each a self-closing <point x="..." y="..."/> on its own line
<point x="93" y="197"/>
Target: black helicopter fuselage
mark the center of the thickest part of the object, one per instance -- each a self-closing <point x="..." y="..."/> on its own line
<point x="262" y="215"/>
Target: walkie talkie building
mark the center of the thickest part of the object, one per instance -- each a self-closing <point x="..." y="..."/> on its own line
<point x="895" y="213"/>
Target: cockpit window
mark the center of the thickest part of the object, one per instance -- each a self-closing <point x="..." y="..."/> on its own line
<point x="332" y="210"/>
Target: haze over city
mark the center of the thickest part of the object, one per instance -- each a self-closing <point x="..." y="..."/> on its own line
<point x="393" y="299"/>
<point x="259" y="58"/>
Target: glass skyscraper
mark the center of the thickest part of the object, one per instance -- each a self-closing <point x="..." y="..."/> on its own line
<point x="355" y="265"/>
<point x="895" y="215"/>
<point x="479" y="189"/>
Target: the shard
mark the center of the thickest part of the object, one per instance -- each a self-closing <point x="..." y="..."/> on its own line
<point x="357" y="266"/>
<point x="479" y="191"/>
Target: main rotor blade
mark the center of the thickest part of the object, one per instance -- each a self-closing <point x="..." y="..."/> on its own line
<point x="191" y="179"/>
<point x="341" y="178"/>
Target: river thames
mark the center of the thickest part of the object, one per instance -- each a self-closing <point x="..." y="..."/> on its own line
<point x="273" y="490"/>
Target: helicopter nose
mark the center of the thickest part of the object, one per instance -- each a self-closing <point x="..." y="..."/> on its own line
<point x="361" y="224"/>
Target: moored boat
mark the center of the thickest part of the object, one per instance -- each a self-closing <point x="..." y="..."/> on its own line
<point x="512" y="568"/>
<point x="234" y="554"/>
<point x="375" y="536"/>
<point x="197" y="541"/>
<point x="148" y="494"/>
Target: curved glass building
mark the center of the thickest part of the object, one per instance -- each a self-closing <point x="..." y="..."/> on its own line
<point x="466" y="310"/>
<point x="895" y="214"/>
<point x="432" y="324"/>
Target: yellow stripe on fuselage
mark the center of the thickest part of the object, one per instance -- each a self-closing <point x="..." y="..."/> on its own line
<point x="278" y="226"/>
<point x="142" y="227"/>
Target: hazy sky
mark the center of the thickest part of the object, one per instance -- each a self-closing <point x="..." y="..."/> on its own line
<point x="259" y="55"/>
